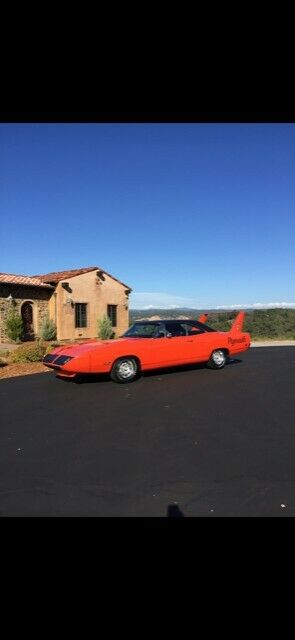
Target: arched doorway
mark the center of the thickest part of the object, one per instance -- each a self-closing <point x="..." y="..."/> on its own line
<point x="27" y="316"/>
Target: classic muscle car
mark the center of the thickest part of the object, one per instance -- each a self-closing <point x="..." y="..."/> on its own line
<point x="151" y="345"/>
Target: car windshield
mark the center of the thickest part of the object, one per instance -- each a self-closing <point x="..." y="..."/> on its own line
<point x="143" y="330"/>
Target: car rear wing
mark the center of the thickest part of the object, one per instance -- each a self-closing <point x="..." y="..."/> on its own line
<point x="237" y="325"/>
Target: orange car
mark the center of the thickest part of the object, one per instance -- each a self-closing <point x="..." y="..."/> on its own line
<point x="151" y="345"/>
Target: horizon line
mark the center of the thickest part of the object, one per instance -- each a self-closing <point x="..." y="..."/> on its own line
<point x="256" y="305"/>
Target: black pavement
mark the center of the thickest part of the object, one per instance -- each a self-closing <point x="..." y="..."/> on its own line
<point x="187" y="442"/>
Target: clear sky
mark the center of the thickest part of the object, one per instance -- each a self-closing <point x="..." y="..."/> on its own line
<point x="185" y="214"/>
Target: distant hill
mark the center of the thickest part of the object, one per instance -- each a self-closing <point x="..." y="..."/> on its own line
<point x="262" y="323"/>
<point x="179" y="313"/>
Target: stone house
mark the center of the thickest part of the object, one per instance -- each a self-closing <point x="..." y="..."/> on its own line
<point x="73" y="299"/>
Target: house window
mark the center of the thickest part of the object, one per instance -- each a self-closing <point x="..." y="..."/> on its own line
<point x="112" y="313"/>
<point x="80" y="315"/>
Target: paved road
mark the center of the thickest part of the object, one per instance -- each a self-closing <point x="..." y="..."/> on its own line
<point x="206" y="443"/>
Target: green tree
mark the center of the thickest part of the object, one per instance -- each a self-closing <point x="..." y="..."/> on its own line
<point x="48" y="329"/>
<point x="105" y="328"/>
<point x="14" y="326"/>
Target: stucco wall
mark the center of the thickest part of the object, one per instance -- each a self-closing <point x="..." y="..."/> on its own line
<point x="39" y="299"/>
<point x="97" y="294"/>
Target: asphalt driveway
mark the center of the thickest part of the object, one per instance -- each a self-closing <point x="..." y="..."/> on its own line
<point x="210" y="443"/>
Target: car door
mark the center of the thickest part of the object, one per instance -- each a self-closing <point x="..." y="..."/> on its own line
<point x="200" y="342"/>
<point x="169" y="346"/>
<point x="152" y="351"/>
<point x="178" y="344"/>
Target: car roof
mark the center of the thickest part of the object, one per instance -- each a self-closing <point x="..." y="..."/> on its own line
<point x="164" y="320"/>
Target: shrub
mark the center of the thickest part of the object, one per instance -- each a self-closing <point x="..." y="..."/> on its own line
<point x="105" y="328"/>
<point x="14" y="326"/>
<point x="30" y="352"/>
<point x="48" y="329"/>
<point x="50" y="347"/>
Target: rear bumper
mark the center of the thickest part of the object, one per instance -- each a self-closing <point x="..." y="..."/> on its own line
<point x="238" y="343"/>
<point x="239" y="348"/>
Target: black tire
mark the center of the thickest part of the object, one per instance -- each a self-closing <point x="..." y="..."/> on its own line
<point x="218" y="359"/>
<point x="124" y="370"/>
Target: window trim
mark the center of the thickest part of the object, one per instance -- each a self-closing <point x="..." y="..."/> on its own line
<point x="113" y="306"/>
<point x="81" y="326"/>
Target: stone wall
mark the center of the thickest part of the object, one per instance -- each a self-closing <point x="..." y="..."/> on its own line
<point x="20" y="294"/>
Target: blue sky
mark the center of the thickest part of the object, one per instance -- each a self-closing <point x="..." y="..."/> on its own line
<point x="186" y="214"/>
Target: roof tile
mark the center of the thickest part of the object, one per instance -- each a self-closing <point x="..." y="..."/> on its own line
<point x="9" y="278"/>
<point x="57" y="276"/>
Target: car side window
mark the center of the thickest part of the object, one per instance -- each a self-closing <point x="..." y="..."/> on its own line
<point x="176" y="329"/>
<point x="193" y="329"/>
<point x="160" y="332"/>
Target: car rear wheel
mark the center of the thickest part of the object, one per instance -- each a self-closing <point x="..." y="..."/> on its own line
<point x="217" y="359"/>
<point x="124" y="370"/>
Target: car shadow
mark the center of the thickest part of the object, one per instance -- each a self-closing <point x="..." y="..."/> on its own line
<point x="86" y="378"/>
<point x="90" y="378"/>
<point x="233" y="361"/>
<point x="185" y="367"/>
<point x="173" y="511"/>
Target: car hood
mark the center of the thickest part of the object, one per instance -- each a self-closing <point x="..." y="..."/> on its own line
<point x="83" y="347"/>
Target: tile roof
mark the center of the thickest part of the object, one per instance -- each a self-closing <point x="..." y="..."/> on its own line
<point x="57" y="276"/>
<point x="9" y="278"/>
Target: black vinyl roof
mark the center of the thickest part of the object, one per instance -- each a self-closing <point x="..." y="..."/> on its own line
<point x="200" y="324"/>
<point x="165" y="320"/>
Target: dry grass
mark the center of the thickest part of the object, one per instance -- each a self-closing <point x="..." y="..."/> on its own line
<point x="21" y="369"/>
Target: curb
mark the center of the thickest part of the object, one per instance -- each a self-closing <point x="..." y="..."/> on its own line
<point x="287" y="343"/>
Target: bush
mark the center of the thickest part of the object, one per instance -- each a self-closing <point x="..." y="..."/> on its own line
<point x="14" y="326"/>
<point x="105" y="328"/>
<point x="48" y="329"/>
<point x="261" y="324"/>
<point x="30" y="352"/>
<point x="50" y="347"/>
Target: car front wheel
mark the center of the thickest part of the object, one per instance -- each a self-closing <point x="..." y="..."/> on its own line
<point x="124" y="370"/>
<point x="217" y="359"/>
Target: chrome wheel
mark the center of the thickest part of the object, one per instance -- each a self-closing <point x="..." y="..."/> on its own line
<point x="126" y="369"/>
<point x="218" y="357"/>
<point x="217" y="360"/>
